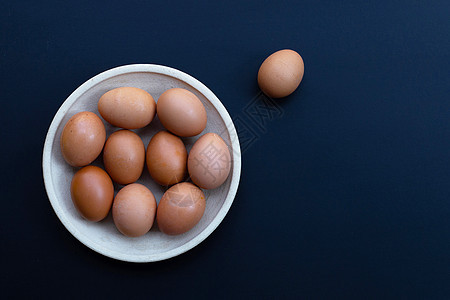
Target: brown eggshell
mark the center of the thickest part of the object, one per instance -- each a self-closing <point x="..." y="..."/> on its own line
<point x="181" y="112"/>
<point x="180" y="208"/>
<point x="281" y="73"/>
<point x="134" y="210"/>
<point x="124" y="156"/>
<point x="82" y="139"/>
<point x="92" y="193"/>
<point x="209" y="161"/>
<point x="166" y="158"/>
<point x="127" y="107"/>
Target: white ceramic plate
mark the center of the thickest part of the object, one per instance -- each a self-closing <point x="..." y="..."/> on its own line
<point x="103" y="236"/>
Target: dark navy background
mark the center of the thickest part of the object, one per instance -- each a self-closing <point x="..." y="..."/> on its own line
<point x="343" y="194"/>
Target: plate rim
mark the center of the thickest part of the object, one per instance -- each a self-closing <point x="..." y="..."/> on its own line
<point x="146" y="68"/>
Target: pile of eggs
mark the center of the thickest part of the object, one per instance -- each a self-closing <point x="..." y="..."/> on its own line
<point x="134" y="207"/>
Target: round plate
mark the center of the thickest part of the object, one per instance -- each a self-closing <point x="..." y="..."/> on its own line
<point x="103" y="236"/>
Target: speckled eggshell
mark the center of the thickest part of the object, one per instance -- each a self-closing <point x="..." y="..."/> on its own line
<point x="82" y="139"/>
<point x="281" y="73"/>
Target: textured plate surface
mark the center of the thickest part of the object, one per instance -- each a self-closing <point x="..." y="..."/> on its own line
<point x="103" y="236"/>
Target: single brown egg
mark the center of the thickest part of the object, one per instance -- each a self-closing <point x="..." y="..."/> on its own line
<point x="181" y="112"/>
<point x="134" y="210"/>
<point x="209" y="161"/>
<point x="166" y="158"/>
<point x="92" y="193"/>
<point x="281" y="73"/>
<point x="82" y="139"/>
<point x="180" y="208"/>
<point x="124" y="156"/>
<point x="127" y="107"/>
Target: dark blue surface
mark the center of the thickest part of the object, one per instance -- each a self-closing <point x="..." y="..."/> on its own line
<point x="344" y="190"/>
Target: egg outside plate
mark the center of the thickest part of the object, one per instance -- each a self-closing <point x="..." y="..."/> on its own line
<point x="103" y="237"/>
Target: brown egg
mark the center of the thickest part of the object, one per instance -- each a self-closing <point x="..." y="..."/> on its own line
<point x="180" y="209"/>
<point x="181" y="112"/>
<point x="82" y="139"/>
<point x="166" y="158"/>
<point x="134" y="210"/>
<point x="127" y="107"/>
<point x="281" y="73"/>
<point x="124" y="156"/>
<point x="209" y="161"/>
<point x="92" y="193"/>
